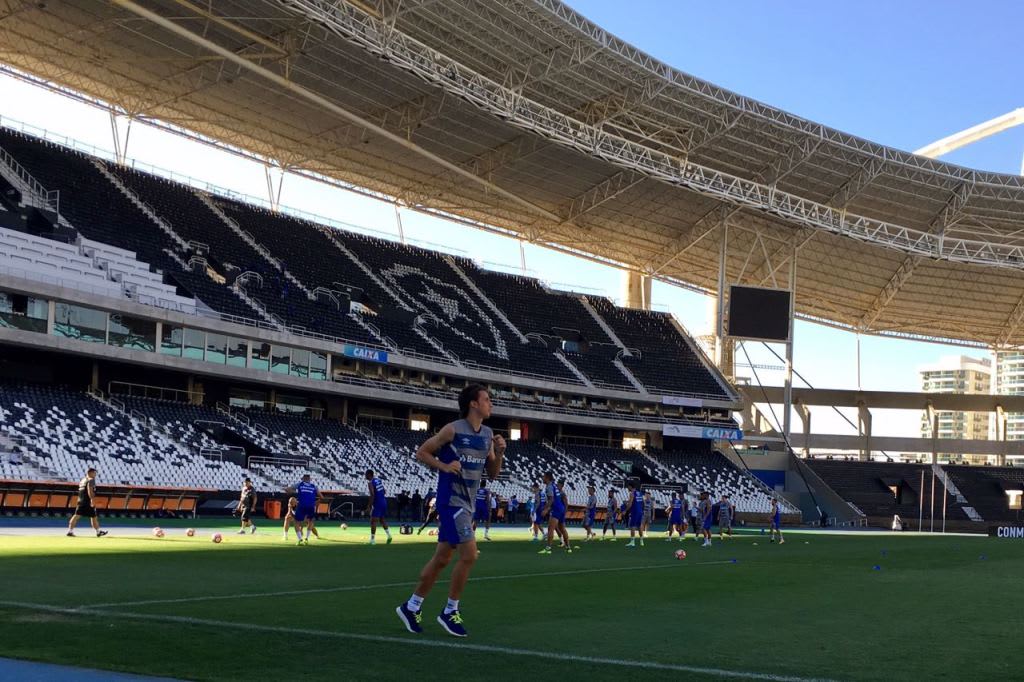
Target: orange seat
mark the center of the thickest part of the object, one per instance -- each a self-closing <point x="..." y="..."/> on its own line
<point x="37" y="500"/>
<point x="135" y="503"/>
<point x="59" y="501"/>
<point x="14" y="499"/>
<point x="154" y="503"/>
<point x="100" y="501"/>
<point x="188" y="504"/>
<point x="171" y="504"/>
<point x="322" y="508"/>
<point x="118" y="502"/>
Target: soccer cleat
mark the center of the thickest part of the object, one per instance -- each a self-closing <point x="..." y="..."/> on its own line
<point x="487" y="537"/>
<point x="630" y="544"/>
<point x="100" y="533"/>
<point x="641" y="542"/>
<point x="781" y="541"/>
<point x="241" y="531"/>
<point x="389" y="540"/>
<point x="71" y="534"/>
<point x="419" y="532"/>
<point x="452" y="623"/>
<point x="252" y="530"/>
<point x="306" y="542"/>
<point x="546" y="550"/>
<point x="411" y="619"/>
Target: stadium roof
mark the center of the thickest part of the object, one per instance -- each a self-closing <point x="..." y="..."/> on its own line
<point x="523" y="117"/>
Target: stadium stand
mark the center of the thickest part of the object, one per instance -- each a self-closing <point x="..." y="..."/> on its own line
<point x="985" y="489"/>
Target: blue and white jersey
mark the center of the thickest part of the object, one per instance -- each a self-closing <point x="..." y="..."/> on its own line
<point x="592" y="504"/>
<point x="481" y="497"/>
<point x="552" y="491"/>
<point x="379" y="498"/>
<point x="613" y="506"/>
<point x="637" y="501"/>
<point x="677" y="508"/>
<point x="470" y="448"/>
<point x="306" y="494"/>
<point x="542" y="499"/>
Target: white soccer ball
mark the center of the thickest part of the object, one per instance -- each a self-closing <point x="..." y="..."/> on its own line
<point x="216" y="538"/>
<point x="344" y="526"/>
<point x="158" y="532"/>
<point x="680" y="554"/>
<point x="190" y="532"/>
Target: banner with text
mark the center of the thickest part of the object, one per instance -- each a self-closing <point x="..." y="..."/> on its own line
<point x="705" y="432"/>
<point x="1014" y="532"/>
<point x="368" y="354"/>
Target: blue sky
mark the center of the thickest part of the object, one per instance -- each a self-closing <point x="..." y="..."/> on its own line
<point x="900" y="73"/>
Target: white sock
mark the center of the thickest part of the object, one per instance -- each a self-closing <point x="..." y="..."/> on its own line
<point x="453" y="605"/>
<point x="415" y="602"/>
<point x="387" y="531"/>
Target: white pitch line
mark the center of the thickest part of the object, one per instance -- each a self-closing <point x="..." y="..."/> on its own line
<point x="416" y="641"/>
<point x="358" y="588"/>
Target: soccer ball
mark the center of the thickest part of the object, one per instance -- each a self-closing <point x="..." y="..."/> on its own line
<point x="158" y="532"/>
<point x="216" y="538"/>
<point x="432" y="532"/>
<point x="190" y="532"/>
<point x="344" y="526"/>
<point x="680" y="554"/>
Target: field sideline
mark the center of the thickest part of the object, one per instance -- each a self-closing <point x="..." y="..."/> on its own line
<point x="815" y="608"/>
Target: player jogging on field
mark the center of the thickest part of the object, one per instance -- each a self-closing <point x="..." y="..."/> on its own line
<point x="86" y="506"/>
<point x="377" y="506"/>
<point x="705" y="508"/>
<point x="482" y="509"/>
<point x="591" y="513"/>
<point x="611" y="512"/>
<point x="776" y="525"/>
<point x="289" y="519"/>
<point x="648" y="513"/>
<point x="695" y="520"/>
<point x="554" y="510"/>
<point x="675" y="517"/>
<point x="246" y="505"/>
<point x="726" y="512"/>
<point x="462" y="452"/>
<point x="635" y="510"/>
<point x="540" y="501"/>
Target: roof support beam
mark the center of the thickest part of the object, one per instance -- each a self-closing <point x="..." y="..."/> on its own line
<point x="786" y="163"/>
<point x="604" y="191"/>
<point x="1012" y="325"/>
<point x="889" y="291"/>
<point x="950" y="213"/>
<point x="856" y="184"/>
<point x="704" y="225"/>
<point x="329" y="105"/>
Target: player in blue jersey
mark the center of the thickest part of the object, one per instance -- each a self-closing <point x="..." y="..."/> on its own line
<point x="675" y="517"/>
<point x="695" y="519"/>
<point x="540" y="500"/>
<point x="462" y="452"/>
<point x="776" y="523"/>
<point x="308" y="495"/>
<point x="635" y="511"/>
<point x="705" y="506"/>
<point x="590" y="513"/>
<point x="610" y="514"/>
<point x="648" y="514"/>
<point x="376" y="506"/>
<point x="482" y="509"/>
<point x="554" y="510"/>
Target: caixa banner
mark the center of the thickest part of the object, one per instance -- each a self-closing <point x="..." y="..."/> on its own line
<point x="705" y="432"/>
<point x="368" y="354"/>
<point x="1013" y="532"/>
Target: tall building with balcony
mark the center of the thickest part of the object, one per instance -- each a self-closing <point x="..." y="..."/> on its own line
<point x="965" y="375"/>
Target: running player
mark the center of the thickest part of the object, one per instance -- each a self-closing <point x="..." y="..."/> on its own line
<point x="431" y="514"/>
<point x="705" y="508"/>
<point x="591" y="513"/>
<point x="726" y="512"/>
<point x="246" y="505"/>
<point x="776" y="524"/>
<point x="611" y="512"/>
<point x="86" y="507"/>
<point x="305" y="511"/>
<point x="482" y="510"/>
<point x="461" y="452"/>
<point x="554" y="510"/>
<point x="377" y="506"/>
<point x="648" y="513"/>
<point x="635" y="500"/>
<point x="675" y="517"/>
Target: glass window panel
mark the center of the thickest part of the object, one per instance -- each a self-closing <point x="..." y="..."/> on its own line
<point x="318" y="366"/>
<point x="280" y="357"/>
<point x="23" y="312"/>
<point x="131" y="332"/>
<point x="76" y="322"/>
<point x="260" y="357"/>
<point x="216" y="348"/>
<point x="237" y="350"/>
<point x="195" y="344"/>
<point x="171" y="340"/>
<point x="300" y="363"/>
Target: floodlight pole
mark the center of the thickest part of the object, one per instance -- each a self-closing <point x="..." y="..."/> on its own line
<point x="787" y="399"/>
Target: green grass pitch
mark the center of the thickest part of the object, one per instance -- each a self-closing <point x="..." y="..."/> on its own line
<point x="256" y="607"/>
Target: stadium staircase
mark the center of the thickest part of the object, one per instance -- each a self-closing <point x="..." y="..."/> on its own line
<point x="947" y="481"/>
<point x="604" y="326"/>
<point x="146" y="209"/>
<point x="461" y="274"/>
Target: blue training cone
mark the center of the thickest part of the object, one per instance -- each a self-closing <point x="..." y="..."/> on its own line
<point x="876" y="567"/>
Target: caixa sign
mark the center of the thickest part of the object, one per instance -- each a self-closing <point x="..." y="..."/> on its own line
<point x="1015" y="532"/>
<point x="706" y="432"/>
<point x="368" y="354"/>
